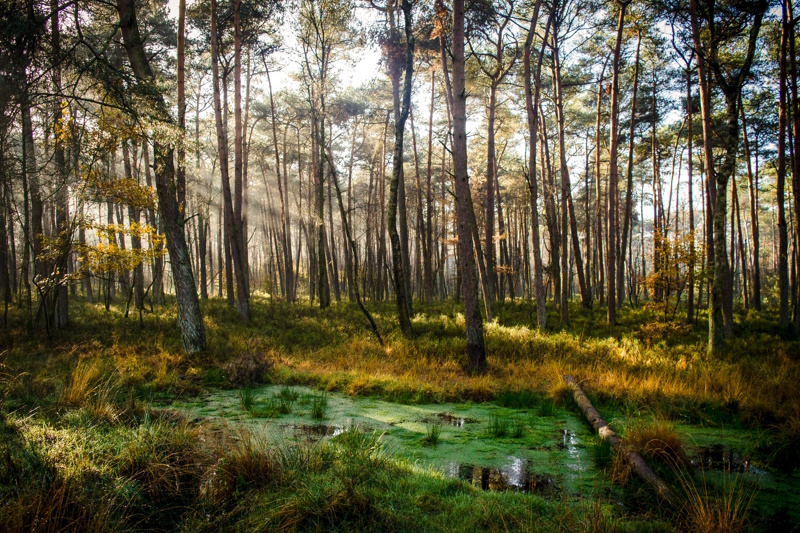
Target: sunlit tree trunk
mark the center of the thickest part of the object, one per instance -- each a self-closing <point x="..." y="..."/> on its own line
<point x="189" y="316"/>
<point x="783" y="237"/>
<point x="476" y="351"/>
<point x="232" y="226"/>
<point x="626" y="221"/>
<point x="613" y="173"/>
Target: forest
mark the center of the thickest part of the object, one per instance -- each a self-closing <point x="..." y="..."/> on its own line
<point x="461" y="265"/>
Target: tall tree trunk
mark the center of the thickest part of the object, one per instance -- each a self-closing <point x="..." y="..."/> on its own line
<point x="5" y="285"/>
<point x="783" y="237"/>
<point x="489" y="255"/>
<point x="333" y="262"/>
<point x="181" y="172"/>
<point x="689" y="141"/>
<point x="754" y="225"/>
<point x="599" y="195"/>
<point x="351" y="243"/>
<point x="60" y="309"/>
<point x="203" y="243"/>
<point x="33" y="233"/>
<point x="239" y="249"/>
<point x="136" y="239"/>
<point x="568" y="209"/>
<point x="428" y="237"/>
<point x="189" y="316"/>
<point x="399" y="266"/>
<point x="323" y="286"/>
<point x="796" y="124"/>
<point x="233" y="228"/>
<point x="613" y="172"/>
<point x="719" y="327"/>
<point x="349" y="256"/>
<point x="626" y="221"/>
<point x="476" y="352"/>
<point x="742" y="254"/>
<point x="285" y="227"/>
<point x="421" y="242"/>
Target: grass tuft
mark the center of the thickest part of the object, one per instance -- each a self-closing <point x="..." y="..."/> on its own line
<point x="319" y="406"/>
<point x="247" y="399"/>
<point x="601" y="452"/>
<point x="719" y="504"/>
<point x="546" y="408"/>
<point x="498" y="426"/>
<point x="656" y="439"/>
<point x="432" y="434"/>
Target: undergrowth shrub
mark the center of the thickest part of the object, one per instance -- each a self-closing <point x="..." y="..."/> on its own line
<point x="250" y="366"/>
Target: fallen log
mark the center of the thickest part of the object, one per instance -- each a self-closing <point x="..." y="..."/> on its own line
<point x="633" y="458"/>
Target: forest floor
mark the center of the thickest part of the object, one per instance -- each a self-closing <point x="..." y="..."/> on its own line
<point x="108" y="425"/>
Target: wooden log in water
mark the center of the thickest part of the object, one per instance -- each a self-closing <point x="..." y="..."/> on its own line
<point x="633" y="458"/>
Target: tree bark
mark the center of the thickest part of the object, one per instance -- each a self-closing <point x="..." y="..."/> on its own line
<point x="692" y="251"/>
<point x="783" y="237"/>
<point x="476" y="352"/>
<point x="239" y="248"/>
<point x="634" y="459"/>
<point x="181" y="173"/>
<point x="613" y="172"/>
<point x="189" y="316"/>
<point x="719" y="327"/>
<point x="754" y="225"/>
<point x="626" y="221"/>
<point x="567" y="207"/>
<point x="401" y="110"/>
<point x="796" y="123"/>
<point x="60" y="296"/>
<point x="231" y="223"/>
<point x="285" y="227"/>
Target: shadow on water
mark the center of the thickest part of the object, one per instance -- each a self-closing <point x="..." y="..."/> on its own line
<point x="514" y="475"/>
<point x="448" y="419"/>
<point x="316" y="431"/>
<point x="719" y="457"/>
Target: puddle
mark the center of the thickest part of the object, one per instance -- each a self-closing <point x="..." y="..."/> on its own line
<point x="448" y="419"/>
<point x="567" y="441"/>
<point x="514" y="475"/>
<point x="719" y="457"/>
<point x="316" y="431"/>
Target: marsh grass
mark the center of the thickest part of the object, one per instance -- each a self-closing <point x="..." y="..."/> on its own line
<point x="89" y="389"/>
<point x="602" y="452"/>
<point x="546" y="408"/>
<point x="715" y="504"/>
<point x="517" y="429"/>
<point x="319" y="406"/>
<point x="656" y="439"/>
<point x="498" y="426"/>
<point x="333" y="351"/>
<point x="247" y="399"/>
<point x="432" y="434"/>
<point x="520" y="399"/>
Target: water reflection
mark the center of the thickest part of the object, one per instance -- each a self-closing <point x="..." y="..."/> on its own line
<point x="719" y="457"/>
<point x="448" y="419"/>
<point x="514" y="475"/>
